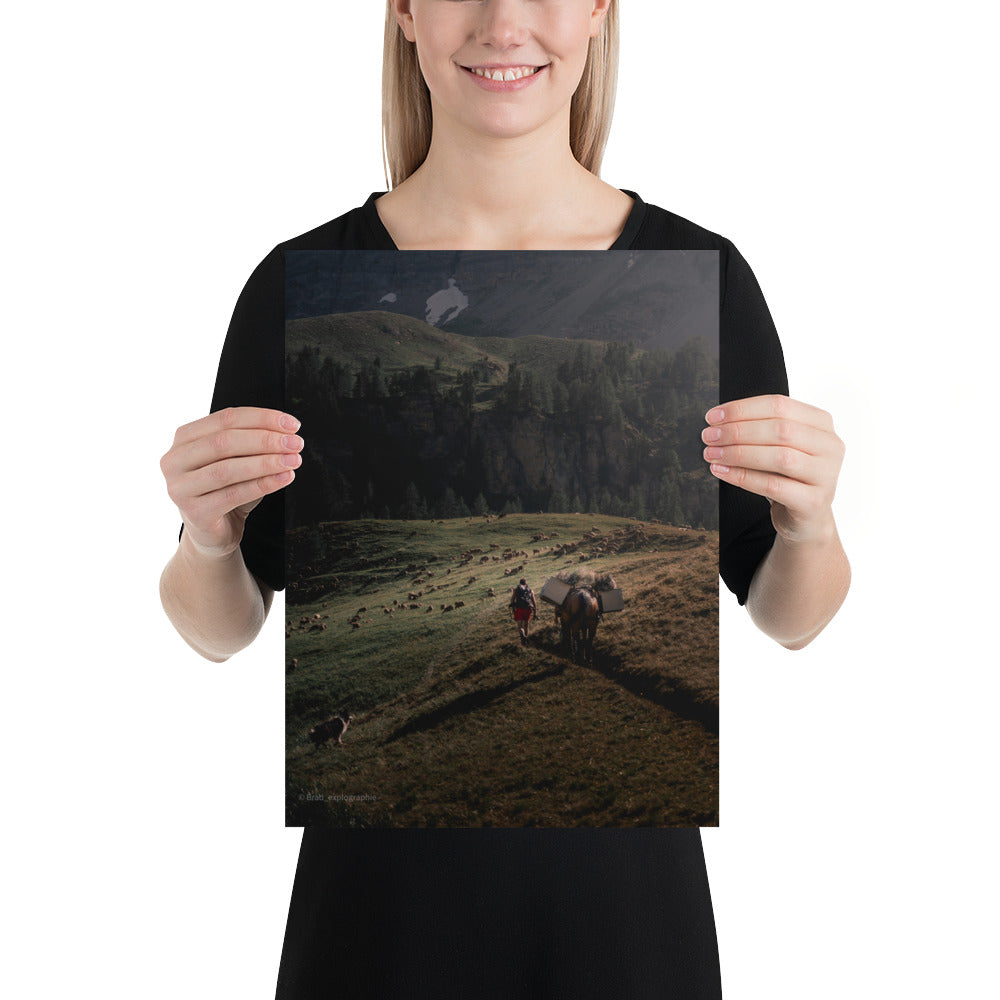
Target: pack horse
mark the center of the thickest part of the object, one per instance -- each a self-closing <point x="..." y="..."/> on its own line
<point x="577" y="617"/>
<point x="578" y="609"/>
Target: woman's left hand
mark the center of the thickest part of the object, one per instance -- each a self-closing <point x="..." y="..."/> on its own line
<point x="781" y="449"/>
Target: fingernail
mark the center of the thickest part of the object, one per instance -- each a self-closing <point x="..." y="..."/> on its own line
<point x="292" y="441"/>
<point x="289" y="423"/>
<point x="711" y="434"/>
<point x="715" y="415"/>
<point x="719" y="470"/>
<point x="711" y="453"/>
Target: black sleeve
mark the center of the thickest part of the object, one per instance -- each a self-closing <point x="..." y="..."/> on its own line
<point x="751" y="363"/>
<point x="252" y="373"/>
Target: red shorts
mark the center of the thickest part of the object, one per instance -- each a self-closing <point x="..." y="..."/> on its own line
<point x="522" y="614"/>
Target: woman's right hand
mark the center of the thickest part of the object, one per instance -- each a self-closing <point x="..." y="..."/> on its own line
<point x="221" y="466"/>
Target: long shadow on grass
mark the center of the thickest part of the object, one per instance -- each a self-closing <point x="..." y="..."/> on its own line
<point x="678" y="701"/>
<point x="467" y="703"/>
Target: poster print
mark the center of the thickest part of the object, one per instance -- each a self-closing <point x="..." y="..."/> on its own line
<point x="502" y="542"/>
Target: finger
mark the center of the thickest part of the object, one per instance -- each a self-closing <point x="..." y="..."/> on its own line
<point x="774" y="406"/>
<point x="784" y="433"/>
<point x="789" y="462"/>
<point x="231" y="443"/>
<point x="212" y="507"/>
<point x="237" y="416"/>
<point x="780" y="489"/>
<point x="229" y="472"/>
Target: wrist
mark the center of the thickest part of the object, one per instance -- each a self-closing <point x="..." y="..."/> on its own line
<point x="195" y="552"/>
<point x="819" y="534"/>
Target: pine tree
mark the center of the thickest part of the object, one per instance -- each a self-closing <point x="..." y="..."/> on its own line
<point x="512" y="506"/>
<point x="560" y="400"/>
<point x="637" y="498"/>
<point x="448" y="506"/>
<point x="413" y="504"/>
<point x="543" y="393"/>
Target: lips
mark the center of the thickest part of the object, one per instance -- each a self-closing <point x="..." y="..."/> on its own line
<point x="511" y="77"/>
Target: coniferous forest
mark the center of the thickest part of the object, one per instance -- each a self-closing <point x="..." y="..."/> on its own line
<point x="426" y="423"/>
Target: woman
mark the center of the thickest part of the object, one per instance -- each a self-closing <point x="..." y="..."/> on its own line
<point x="508" y="163"/>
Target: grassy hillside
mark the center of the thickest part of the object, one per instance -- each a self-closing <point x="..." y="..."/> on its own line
<point x="456" y="723"/>
<point x="402" y="342"/>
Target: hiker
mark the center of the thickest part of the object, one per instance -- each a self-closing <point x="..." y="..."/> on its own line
<point x="522" y="600"/>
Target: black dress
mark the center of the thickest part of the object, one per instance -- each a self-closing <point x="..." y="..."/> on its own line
<point x="503" y="914"/>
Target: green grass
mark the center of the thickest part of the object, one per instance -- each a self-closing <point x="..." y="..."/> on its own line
<point x="402" y="342"/>
<point x="457" y="723"/>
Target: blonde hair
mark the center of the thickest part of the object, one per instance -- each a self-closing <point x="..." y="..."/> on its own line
<point x="406" y="101"/>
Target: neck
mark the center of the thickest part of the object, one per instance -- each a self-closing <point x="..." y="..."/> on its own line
<point x="485" y="183"/>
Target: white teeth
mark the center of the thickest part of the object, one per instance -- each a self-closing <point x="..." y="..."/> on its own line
<point x="513" y="73"/>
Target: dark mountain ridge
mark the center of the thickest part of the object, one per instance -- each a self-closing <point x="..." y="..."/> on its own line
<point x="654" y="298"/>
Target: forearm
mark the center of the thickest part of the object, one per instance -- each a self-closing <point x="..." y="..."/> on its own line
<point x="214" y="603"/>
<point x="798" y="588"/>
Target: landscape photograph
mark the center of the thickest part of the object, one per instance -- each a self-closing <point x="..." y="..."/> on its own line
<point x="501" y="546"/>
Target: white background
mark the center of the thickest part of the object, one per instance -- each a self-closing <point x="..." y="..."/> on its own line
<point x="155" y="153"/>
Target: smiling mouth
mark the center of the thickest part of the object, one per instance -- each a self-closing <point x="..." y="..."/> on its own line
<point x="504" y="74"/>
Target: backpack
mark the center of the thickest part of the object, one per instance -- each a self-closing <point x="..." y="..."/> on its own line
<point x="521" y="599"/>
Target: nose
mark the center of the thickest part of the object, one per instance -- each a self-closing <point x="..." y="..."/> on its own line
<point x="504" y="23"/>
